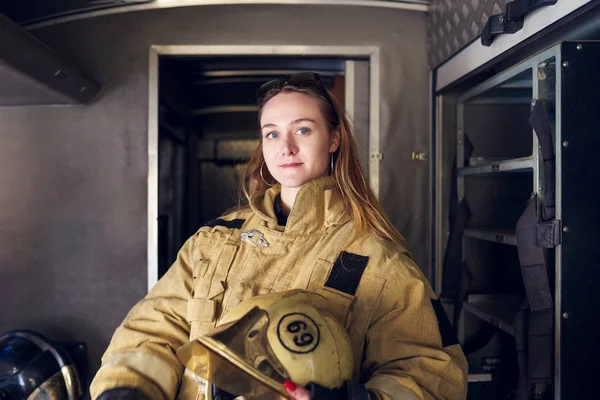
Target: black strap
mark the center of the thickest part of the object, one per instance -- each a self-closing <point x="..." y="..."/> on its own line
<point x="456" y="276"/>
<point x="539" y="296"/>
<point x="521" y="341"/>
<point x="540" y="123"/>
<point x="499" y="24"/>
<point x="453" y="257"/>
<point x="532" y="260"/>
<point x="481" y="339"/>
<point x="534" y="234"/>
<point x="459" y="214"/>
<point x="348" y="391"/>
<point x="517" y="9"/>
<point x="511" y="20"/>
<point x="467" y="151"/>
<point x="455" y="282"/>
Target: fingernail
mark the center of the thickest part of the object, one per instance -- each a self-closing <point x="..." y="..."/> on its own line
<point x="290" y="386"/>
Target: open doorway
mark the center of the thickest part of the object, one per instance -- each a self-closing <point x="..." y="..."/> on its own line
<point x="203" y="129"/>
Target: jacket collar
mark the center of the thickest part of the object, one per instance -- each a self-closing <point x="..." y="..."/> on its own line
<point x="318" y="205"/>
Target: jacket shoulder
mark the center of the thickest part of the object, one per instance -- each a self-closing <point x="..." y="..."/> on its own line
<point x="387" y="259"/>
<point x="233" y="220"/>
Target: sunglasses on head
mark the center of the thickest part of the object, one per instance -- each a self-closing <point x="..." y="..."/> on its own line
<point x="310" y="80"/>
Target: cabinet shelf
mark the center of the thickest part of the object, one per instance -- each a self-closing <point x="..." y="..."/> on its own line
<point x="476" y="378"/>
<point x="497" y="167"/>
<point x="499" y="310"/>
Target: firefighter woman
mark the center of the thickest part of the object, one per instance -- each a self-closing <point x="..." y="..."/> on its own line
<point x="311" y="223"/>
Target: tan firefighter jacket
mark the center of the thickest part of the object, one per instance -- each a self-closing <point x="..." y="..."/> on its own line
<point x="402" y="341"/>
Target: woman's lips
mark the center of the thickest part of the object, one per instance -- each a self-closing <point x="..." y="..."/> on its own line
<point x="290" y="165"/>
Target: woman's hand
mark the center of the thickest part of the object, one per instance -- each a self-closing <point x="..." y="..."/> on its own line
<point x="296" y="392"/>
<point x="314" y="391"/>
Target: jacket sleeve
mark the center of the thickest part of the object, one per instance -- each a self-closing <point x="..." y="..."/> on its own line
<point x="411" y="350"/>
<point x="141" y="355"/>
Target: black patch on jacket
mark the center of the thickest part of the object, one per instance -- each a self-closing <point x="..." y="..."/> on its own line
<point x="233" y="224"/>
<point x="446" y="330"/>
<point x="346" y="273"/>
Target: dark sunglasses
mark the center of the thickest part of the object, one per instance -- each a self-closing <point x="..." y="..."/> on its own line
<point x="310" y="80"/>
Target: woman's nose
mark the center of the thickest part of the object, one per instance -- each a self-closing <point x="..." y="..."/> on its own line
<point x="288" y="146"/>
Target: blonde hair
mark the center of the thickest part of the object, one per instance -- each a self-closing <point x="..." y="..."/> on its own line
<point x="361" y="204"/>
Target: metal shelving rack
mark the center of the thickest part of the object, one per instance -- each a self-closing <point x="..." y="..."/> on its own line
<point x="507" y="88"/>
<point x="538" y="77"/>
<point x="565" y="78"/>
<point x="565" y="75"/>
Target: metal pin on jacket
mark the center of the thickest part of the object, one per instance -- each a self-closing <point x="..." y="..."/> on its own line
<point x="254" y="238"/>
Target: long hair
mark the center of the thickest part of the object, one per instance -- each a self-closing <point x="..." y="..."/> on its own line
<point x="361" y="204"/>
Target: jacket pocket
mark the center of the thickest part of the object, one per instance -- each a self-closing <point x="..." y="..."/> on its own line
<point x="201" y="314"/>
<point x="209" y="285"/>
<point x="198" y="272"/>
<point x="210" y="273"/>
<point x="338" y="303"/>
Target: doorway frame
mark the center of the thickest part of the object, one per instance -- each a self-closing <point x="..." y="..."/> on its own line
<point x="367" y="53"/>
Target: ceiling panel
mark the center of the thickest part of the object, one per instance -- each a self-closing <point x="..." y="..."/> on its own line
<point x="30" y="11"/>
<point x="27" y="11"/>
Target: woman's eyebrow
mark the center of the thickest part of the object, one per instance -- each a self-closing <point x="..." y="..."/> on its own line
<point x="303" y="120"/>
<point x="294" y="122"/>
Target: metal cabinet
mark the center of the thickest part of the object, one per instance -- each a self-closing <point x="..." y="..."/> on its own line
<point x="488" y="166"/>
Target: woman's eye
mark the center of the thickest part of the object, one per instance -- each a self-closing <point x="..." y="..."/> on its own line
<point x="303" y="131"/>
<point x="272" y="135"/>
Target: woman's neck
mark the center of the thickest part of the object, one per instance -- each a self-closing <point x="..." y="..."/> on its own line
<point x="288" y="197"/>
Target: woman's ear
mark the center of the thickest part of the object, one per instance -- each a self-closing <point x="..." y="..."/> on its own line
<point x="334" y="141"/>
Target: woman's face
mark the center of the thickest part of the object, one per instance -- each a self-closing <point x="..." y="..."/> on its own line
<point x="296" y="143"/>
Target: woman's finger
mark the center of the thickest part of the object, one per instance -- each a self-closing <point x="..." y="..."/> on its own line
<point x="296" y="392"/>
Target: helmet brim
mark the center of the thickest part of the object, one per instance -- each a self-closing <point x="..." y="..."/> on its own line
<point x="216" y="363"/>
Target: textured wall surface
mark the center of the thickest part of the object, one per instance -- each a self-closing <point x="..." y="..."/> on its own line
<point x="453" y="24"/>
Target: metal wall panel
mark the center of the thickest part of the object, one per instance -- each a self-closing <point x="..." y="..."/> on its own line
<point x="453" y="24"/>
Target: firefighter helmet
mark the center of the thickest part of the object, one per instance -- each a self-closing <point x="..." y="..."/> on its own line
<point x="269" y="339"/>
<point x="33" y="367"/>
